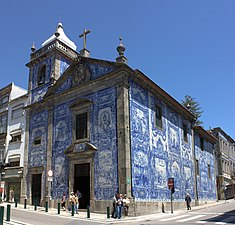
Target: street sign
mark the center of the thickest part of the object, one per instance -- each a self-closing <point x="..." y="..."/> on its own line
<point x="2" y="184"/>
<point x="170" y="182"/>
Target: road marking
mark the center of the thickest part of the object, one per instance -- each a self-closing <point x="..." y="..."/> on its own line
<point x="220" y="223"/>
<point x="190" y="218"/>
<point x="14" y="222"/>
<point x="201" y="221"/>
<point x="173" y="218"/>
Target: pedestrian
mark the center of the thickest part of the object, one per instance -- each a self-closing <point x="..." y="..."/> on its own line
<point x="76" y="203"/>
<point x="126" y="204"/>
<point x="63" y="201"/>
<point x="188" y="201"/>
<point x="71" y="201"/>
<point x="114" y="206"/>
<point x="119" y="205"/>
<point x="79" y="194"/>
<point x="11" y="195"/>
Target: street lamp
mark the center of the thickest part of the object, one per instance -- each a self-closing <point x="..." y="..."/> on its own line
<point x="49" y="179"/>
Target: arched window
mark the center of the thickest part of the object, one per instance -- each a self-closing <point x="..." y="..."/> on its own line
<point x="42" y="75"/>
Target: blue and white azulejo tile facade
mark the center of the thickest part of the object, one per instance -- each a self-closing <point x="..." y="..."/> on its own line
<point x="102" y="135"/>
<point x="37" y="154"/>
<point x="206" y="181"/>
<point x="158" y="154"/>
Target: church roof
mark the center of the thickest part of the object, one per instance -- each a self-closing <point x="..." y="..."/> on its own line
<point x="62" y="37"/>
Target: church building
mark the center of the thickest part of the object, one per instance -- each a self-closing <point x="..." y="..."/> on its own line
<point x="102" y="127"/>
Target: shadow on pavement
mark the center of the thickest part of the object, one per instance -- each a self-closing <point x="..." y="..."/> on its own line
<point x="228" y="217"/>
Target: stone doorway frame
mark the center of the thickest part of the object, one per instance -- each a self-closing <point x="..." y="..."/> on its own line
<point x="36" y="170"/>
<point x="86" y="155"/>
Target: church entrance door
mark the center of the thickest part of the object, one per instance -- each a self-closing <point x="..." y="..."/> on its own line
<point x="36" y="188"/>
<point x="82" y="183"/>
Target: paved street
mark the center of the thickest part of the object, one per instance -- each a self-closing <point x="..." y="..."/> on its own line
<point x="216" y="213"/>
<point x="222" y="213"/>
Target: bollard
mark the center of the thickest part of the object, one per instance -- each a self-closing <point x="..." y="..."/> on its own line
<point x="163" y="208"/>
<point x="108" y="212"/>
<point x="25" y="203"/>
<point x="8" y="212"/>
<point x="1" y="214"/>
<point x="88" y="211"/>
<point x="16" y="202"/>
<point x="46" y="207"/>
<point x="58" y="207"/>
<point x="72" y="209"/>
<point x="35" y="205"/>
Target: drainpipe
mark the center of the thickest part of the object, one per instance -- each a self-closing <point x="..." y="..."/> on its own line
<point x="215" y="154"/>
<point x="195" y="166"/>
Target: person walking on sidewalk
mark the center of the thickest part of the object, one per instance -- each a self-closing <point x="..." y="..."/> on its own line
<point x="188" y="201"/>
<point x="63" y="201"/>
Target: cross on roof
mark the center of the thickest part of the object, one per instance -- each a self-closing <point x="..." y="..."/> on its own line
<point x="84" y="34"/>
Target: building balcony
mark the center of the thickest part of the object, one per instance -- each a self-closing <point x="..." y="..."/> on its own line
<point x="12" y="173"/>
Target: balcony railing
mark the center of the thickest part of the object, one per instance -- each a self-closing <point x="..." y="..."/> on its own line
<point x="11" y="172"/>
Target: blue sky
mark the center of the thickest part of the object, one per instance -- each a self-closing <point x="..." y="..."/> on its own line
<point x="185" y="46"/>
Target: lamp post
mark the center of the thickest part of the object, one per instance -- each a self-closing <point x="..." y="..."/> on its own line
<point x="49" y="179"/>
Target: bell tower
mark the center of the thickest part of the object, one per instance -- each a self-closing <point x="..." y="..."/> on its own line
<point x="49" y="62"/>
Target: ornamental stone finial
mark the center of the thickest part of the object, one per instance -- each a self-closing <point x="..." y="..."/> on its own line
<point x="33" y="48"/>
<point x="121" y="49"/>
<point x="57" y="34"/>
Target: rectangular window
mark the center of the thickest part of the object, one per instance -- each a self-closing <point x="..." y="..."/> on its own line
<point x="209" y="171"/>
<point x="16" y="138"/>
<point x="13" y="164"/>
<point x="197" y="167"/>
<point x="37" y="141"/>
<point x="81" y="126"/>
<point x="3" y="124"/>
<point x="201" y="143"/>
<point x="185" y="132"/>
<point x="158" y="117"/>
<point x="5" y="100"/>
<point x="17" y="112"/>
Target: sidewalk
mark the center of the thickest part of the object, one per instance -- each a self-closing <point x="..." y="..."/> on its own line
<point x="102" y="218"/>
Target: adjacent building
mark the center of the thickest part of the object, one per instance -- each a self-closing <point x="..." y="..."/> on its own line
<point x="225" y="163"/>
<point x="4" y="99"/>
<point x="12" y="123"/>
